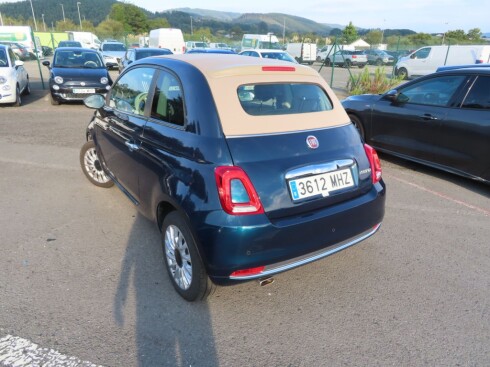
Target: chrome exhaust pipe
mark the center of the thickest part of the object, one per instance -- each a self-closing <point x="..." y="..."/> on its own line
<point x="266" y="281"/>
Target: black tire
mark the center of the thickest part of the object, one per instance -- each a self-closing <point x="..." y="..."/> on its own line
<point x="53" y="101"/>
<point x="182" y="261"/>
<point x="18" y="98"/>
<point x="379" y="62"/>
<point x="27" y="89"/>
<point x="318" y="59"/>
<point x="328" y="62"/>
<point x="402" y="73"/>
<point x="91" y="166"/>
<point x="361" y="66"/>
<point x="347" y="63"/>
<point x="358" y="124"/>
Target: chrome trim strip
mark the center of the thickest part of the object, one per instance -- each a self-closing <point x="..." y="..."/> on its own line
<point x="302" y="260"/>
<point x="286" y="132"/>
<point x="319" y="168"/>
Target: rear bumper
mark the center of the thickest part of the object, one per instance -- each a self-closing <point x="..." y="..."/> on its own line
<point x="230" y="243"/>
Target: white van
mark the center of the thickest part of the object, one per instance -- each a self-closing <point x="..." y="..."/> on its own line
<point x="426" y="60"/>
<point x="87" y="39"/>
<point x="303" y="52"/>
<point x="266" y="41"/>
<point x="171" y="38"/>
<point x="18" y="34"/>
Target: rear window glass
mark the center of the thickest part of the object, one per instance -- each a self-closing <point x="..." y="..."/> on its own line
<point x="282" y="99"/>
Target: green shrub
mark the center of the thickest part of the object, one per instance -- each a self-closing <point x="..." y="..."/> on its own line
<point x="378" y="83"/>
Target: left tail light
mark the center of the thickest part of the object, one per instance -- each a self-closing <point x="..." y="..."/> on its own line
<point x="374" y="162"/>
<point x="236" y="192"/>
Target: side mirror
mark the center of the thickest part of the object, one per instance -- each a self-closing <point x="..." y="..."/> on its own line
<point x="413" y="56"/>
<point x="18" y="63"/>
<point x="95" y="101"/>
<point x="395" y="97"/>
<point x="46" y="63"/>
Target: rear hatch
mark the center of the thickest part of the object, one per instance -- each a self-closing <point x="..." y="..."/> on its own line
<point x="291" y="178"/>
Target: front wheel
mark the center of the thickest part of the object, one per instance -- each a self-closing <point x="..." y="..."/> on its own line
<point x="91" y="166"/>
<point x="18" y="98"/>
<point x="182" y="260"/>
<point x="402" y="73"/>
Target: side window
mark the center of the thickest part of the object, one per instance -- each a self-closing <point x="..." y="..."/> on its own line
<point x="435" y="91"/>
<point x="13" y="56"/>
<point x="423" y="53"/>
<point x="479" y="95"/>
<point x="168" y="102"/>
<point x="130" y="92"/>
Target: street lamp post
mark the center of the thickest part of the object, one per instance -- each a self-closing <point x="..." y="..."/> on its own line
<point x="33" y="16"/>
<point x="79" y="17"/>
<point x="63" y="11"/>
<point x="44" y="24"/>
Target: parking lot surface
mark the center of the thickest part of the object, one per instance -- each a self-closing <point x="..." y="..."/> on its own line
<point x="82" y="271"/>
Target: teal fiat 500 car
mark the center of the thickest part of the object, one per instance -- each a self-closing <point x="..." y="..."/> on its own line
<point x="248" y="166"/>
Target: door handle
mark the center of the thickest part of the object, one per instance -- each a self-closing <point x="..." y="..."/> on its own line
<point x="132" y="146"/>
<point x="428" y="116"/>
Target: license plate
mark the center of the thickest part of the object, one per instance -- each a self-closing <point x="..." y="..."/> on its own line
<point x="322" y="184"/>
<point x="83" y="90"/>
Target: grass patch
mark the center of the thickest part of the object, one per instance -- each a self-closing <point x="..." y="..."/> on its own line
<point x="378" y="83"/>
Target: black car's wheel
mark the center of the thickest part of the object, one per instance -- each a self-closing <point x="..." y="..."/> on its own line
<point x="18" y="98"/>
<point x="53" y="101"/>
<point x="182" y="260"/>
<point x="91" y="166"/>
<point x="402" y="73"/>
<point x="358" y="124"/>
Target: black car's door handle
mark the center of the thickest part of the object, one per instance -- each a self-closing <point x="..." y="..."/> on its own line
<point x="132" y="146"/>
<point x="428" y="116"/>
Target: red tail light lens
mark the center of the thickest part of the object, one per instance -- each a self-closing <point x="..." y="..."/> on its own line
<point x="236" y="192"/>
<point x="374" y="163"/>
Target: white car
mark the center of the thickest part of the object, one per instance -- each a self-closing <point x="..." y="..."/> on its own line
<point x="269" y="54"/>
<point x="14" y="80"/>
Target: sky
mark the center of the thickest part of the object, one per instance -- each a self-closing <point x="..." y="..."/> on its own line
<point x="429" y="16"/>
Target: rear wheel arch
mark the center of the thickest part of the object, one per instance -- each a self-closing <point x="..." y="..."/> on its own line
<point x="359" y="124"/>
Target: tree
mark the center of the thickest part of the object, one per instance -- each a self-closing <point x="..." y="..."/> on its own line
<point x="88" y="26"/>
<point x="474" y="34"/>
<point x="68" y="25"/>
<point x="457" y="35"/>
<point x="421" y="39"/>
<point x="133" y="18"/>
<point x="158" y="23"/>
<point x="349" y="34"/>
<point x="374" y="37"/>
<point x="110" y="28"/>
<point x="263" y="27"/>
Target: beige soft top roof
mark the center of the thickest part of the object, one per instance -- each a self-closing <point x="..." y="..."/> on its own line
<point x="225" y="73"/>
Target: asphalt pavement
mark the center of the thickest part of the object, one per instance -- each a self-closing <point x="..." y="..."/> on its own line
<point x="83" y="279"/>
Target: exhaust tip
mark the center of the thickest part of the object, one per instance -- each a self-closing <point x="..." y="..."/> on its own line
<point x="266" y="281"/>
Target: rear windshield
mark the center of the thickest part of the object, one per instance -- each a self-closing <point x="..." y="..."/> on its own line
<point x="282" y="99"/>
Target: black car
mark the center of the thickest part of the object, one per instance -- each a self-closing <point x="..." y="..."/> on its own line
<point x="134" y="54"/>
<point x="76" y="73"/>
<point x="441" y="120"/>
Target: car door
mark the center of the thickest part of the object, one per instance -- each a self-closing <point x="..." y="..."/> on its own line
<point x="19" y="70"/>
<point x="118" y="136"/>
<point x="411" y="125"/>
<point x="464" y="139"/>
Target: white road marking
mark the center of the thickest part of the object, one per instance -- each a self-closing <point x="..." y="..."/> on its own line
<point x="18" y="352"/>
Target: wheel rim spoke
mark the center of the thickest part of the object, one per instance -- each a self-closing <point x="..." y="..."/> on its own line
<point x="91" y="159"/>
